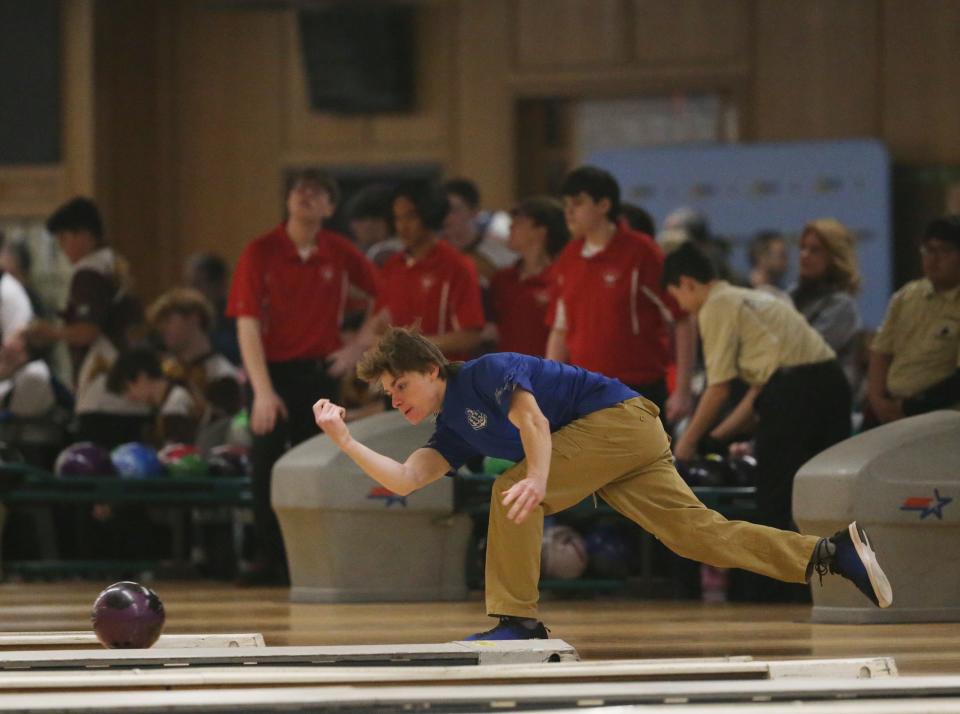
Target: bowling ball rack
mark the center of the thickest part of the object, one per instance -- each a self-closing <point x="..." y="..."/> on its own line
<point x="38" y="490"/>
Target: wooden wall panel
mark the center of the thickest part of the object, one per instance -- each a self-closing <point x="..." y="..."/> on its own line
<point x="816" y="69"/>
<point x="313" y="137"/>
<point x="571" y="33"/>
<point x="126" y="134"/>
<point x="228" y="79"/>
<point x="79" y="138"/>
<point x="484" y="119"/>
<point x="691" y="31"/>
<point x="921" y="72"/>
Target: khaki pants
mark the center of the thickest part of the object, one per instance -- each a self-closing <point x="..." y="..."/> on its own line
<point x="623" y="453"/>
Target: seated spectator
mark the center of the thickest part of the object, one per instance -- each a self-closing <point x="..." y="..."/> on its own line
<point x="110" y="419"/>
<point x="101" y="311"/>
<point x="915" y="357"/>
<point x="370" y="220"/>
<point x="26" y="386"/>
<point x="137" y="376"/>
<point x="467" y="228"/>
<point x="769" y="262"/>
<point x="15" y="259"/>
<point x="182" y="317"/>
<point x="825" y="293"/>
<point x="208" y="273"/>
<point x="520" y="295"/>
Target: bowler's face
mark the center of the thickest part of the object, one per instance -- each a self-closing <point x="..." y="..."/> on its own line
<point x="416" y="395"/>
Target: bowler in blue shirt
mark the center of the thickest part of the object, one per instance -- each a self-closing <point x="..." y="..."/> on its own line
<point x="572" y="433"/>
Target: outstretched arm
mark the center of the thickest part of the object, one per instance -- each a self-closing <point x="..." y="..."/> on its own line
<point x="534" y="430"/>
<point x="422" y="467"/>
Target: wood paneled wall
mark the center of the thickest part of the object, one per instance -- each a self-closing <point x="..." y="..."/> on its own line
<point x="200" y="106"/>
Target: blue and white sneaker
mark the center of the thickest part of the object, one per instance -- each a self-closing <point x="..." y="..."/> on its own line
<point x="854" y="559"/>
<point x="512" y="628"/>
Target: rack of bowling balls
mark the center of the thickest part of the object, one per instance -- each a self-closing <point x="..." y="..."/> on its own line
<point x="590" y="547"/>
<point x="133" y="472"/>
<point x="138" y="461"/>
<point x="178" y="477"/>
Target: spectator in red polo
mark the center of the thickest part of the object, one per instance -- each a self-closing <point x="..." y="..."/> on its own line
<point x="520" y="295"/>
<point x="611" y="314"/>
<point x="288" y="296"/>
<point x="429" y="283"/>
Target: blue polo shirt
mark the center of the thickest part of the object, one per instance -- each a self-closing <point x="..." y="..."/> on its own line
<point x="473" y="419"/>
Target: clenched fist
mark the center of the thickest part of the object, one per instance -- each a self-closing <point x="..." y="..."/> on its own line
<point x="329" y="418"/>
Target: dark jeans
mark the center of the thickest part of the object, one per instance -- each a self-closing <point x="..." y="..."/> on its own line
<point x="299" y="383"/>
<point x="801" y="411"/>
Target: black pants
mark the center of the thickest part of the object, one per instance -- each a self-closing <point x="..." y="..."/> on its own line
<point x="656" y="392"/>
<point x="801" y="411"/>
<point x="299" y="383"/>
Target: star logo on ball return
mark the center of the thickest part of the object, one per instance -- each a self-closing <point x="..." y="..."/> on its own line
<point x="926" y="505"/>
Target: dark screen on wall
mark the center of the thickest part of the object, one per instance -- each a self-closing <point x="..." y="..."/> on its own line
<point x="359" y="58"/>
<point x="29" y="82"/>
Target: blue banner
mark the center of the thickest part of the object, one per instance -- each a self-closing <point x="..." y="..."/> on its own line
<point x="745" y="189"/>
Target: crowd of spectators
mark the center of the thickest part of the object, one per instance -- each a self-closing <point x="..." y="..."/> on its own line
<point x="747" y="363"/>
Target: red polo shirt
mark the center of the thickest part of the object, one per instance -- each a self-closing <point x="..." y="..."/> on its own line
<point x="616" y="312"/>
<point x="440" y="290"/>
<point x="299" y="302"/>
<point x="520" y="309"/>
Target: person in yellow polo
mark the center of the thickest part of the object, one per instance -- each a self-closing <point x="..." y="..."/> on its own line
<point x="915" y="357"/>
<point x="798" y="400"/>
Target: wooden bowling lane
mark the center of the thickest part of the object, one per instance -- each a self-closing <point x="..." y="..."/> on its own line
<point x="598" y="628"/>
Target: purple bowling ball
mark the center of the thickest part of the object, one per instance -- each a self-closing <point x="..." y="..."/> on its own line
<point x="84" y="459"/>
<point x="127" y="615"/>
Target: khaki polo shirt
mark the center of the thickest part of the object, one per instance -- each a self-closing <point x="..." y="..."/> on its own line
<point x="751" y="334"/>
<point x="921" y="331"/>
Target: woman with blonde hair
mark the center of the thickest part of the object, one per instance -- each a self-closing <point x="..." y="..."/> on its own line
<point x="829" y="280"/>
